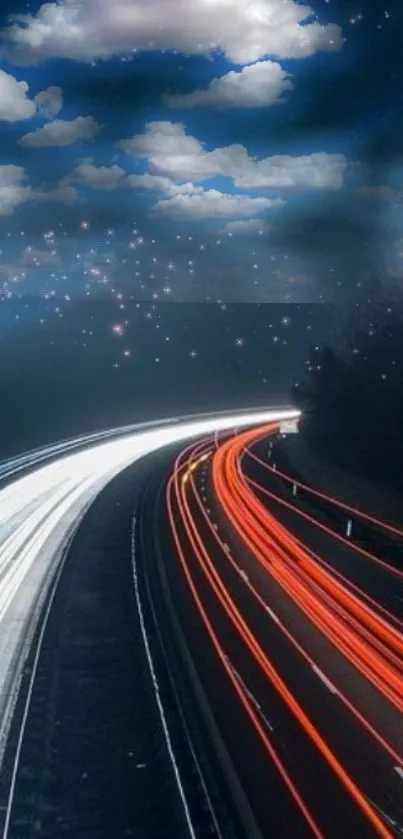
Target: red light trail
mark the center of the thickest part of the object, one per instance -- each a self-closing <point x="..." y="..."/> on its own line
<point x="358" y="628"/>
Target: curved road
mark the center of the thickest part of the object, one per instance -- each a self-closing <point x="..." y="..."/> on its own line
<point x="40" y="511"/>
<point x="316" y="664"/>
<point x="297" y="657"/>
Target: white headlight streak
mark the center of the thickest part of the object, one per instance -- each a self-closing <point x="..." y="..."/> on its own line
<point x="39" y="512"/>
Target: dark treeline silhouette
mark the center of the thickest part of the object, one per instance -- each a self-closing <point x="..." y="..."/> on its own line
<point x="352" y="398"/>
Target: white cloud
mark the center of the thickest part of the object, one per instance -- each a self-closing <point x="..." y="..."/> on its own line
<point x="95" y="259"/>
<point x="190" y="201"/>
<point x="14" y="102"/>
<point x="63" y="193"/>
<point x="106" y="178"/>
<point x="175" y="155"/>
<point x="244" y="31"/>
<point x="247" y="227"/>
<point x="161" y="137"/>
<point x="16" y="106"/>
<point x="381" y="193"/>
<point x="184" y="189"/>
<point x="50" y="101"/>
<point x="62" y="133"/>
<point x="255" y="86"/>
<point x="13" y="189"/>
<point x="109" y="178"/>
<point x="157" y="182"/>
<point x="212" y="204"/>
<point x="284" y="173"/>
<point x="148" y="181"/>
<point x="33" y="257"/>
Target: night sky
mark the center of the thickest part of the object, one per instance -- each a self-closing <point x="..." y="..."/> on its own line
<point x="192" y="193"/>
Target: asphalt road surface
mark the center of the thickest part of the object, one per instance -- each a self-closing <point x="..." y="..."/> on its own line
<point x="213" y="664"/>
<point x="323" y="754"/>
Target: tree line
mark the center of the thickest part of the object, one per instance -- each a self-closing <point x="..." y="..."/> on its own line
<point x="352" y="399"/>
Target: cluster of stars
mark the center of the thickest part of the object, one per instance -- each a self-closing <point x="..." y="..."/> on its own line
<point x="68" y="262"/>
<point x="135" y="277"/>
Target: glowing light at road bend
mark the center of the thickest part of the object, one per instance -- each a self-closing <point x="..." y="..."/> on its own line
<point x="39" y="512"/>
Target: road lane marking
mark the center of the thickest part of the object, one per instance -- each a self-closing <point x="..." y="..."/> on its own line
<point x="388" y="819"/>
<point x="399" y="770"/>
<point x="251" y="697"/>
<point x="330" y="686"/>
<point x="272" y="614"/>
<point x="156" y="686"/>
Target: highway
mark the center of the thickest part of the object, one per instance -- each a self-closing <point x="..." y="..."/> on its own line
<point x="43" y="497"/>
<point x="378" y="545"/>
<point x="290" y="649"/>
<point x="317" y="667"/>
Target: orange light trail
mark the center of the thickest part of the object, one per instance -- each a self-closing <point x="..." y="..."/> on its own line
<point x="360" y="514"/>
<point x="367" y="640"/>
<point x="361" y="593"/>
<point x="361" y="718"/>
<point x="240" y="506"/>
<point x="242" y="694"/>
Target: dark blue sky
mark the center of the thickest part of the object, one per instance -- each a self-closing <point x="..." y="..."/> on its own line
<point x="211" y="152"/>
<point x="277" y="123"/>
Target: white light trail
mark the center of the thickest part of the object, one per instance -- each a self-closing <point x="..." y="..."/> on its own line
<point x="40" y="510"/>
